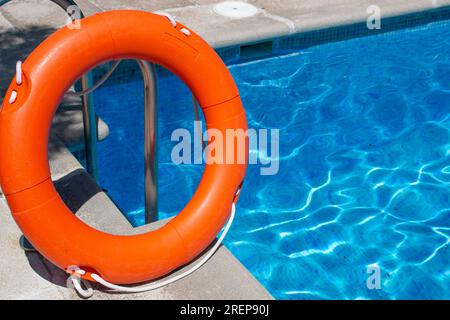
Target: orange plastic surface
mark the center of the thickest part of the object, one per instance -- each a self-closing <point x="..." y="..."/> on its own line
<point x="24" y="129"/>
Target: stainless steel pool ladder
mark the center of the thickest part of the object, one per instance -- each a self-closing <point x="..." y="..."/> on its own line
<point x="90" y="123"/>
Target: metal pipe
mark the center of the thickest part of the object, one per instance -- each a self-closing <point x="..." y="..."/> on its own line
<point x="64" y="4"/>
<point x="150" y="129"/>
<point x="89" y="127"/>
<point x="197" y="121"/>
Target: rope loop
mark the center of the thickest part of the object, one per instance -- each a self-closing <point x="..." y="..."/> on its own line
<point x="77" y="281"/>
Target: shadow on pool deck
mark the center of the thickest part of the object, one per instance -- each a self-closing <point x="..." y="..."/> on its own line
<point x="17" y="44"/>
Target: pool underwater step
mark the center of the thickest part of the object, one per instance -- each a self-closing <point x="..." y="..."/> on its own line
<point x="68" y="124"/>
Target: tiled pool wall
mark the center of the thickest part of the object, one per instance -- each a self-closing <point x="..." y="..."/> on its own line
<point x="346" y="32"/>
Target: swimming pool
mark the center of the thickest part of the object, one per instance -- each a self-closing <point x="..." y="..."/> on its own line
<point x="364" y="165"/>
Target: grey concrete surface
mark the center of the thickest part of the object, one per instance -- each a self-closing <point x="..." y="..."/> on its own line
<point x="4" y="23"/>
<point x="220" y="31"/>
<point x="141" y="4"/>
<point x="61" y="161"/>
<point x="29" y="13"/>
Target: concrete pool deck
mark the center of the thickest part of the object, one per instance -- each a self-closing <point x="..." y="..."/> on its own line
<point x="23" y="24"/>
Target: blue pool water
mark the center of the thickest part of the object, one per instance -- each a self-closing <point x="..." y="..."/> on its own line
<point x="364" y="165"/>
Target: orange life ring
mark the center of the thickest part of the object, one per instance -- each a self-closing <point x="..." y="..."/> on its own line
<point x="24" y="130"/>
